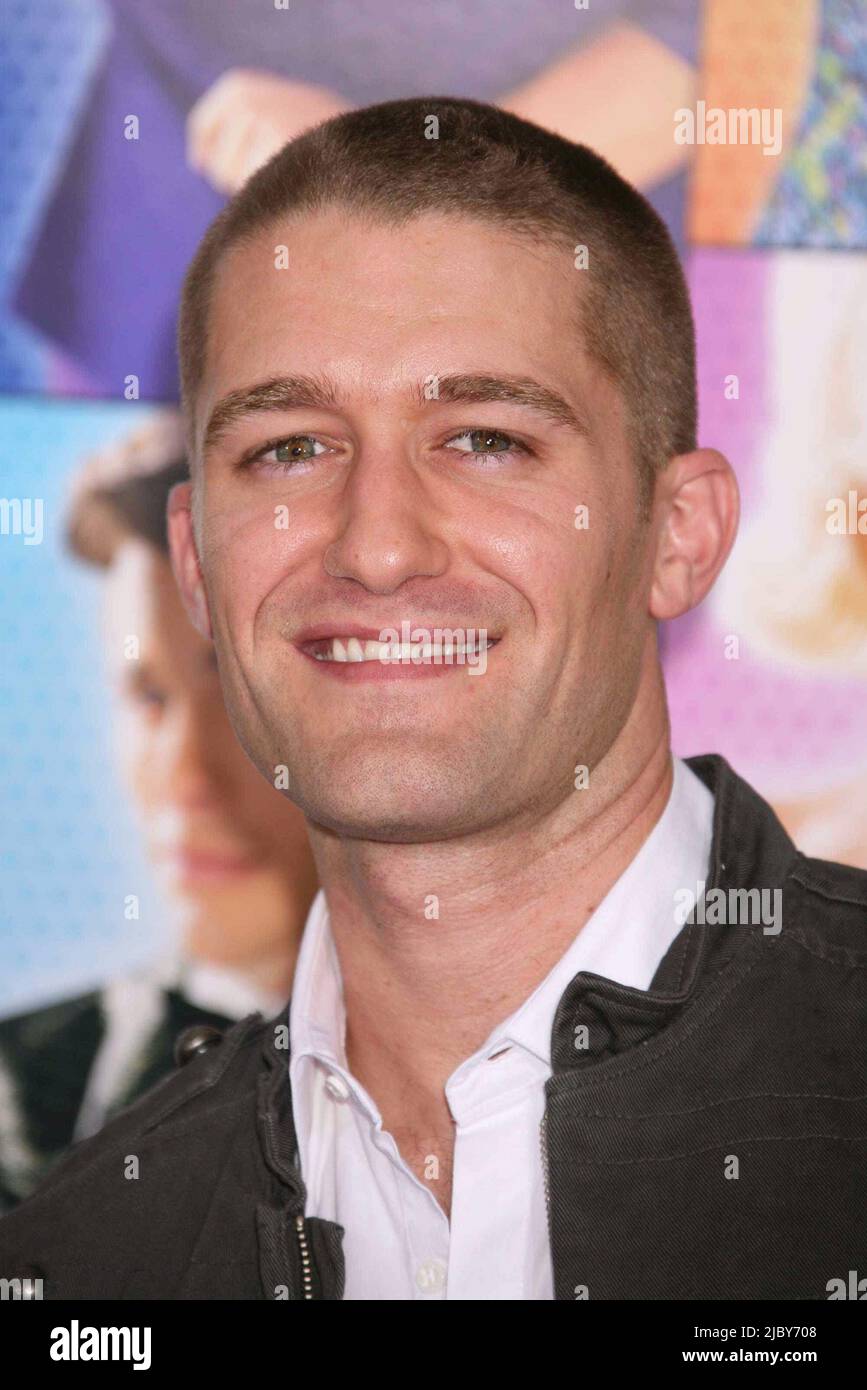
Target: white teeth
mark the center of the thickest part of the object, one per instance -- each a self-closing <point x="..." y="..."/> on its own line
<point x="352" y="649"/>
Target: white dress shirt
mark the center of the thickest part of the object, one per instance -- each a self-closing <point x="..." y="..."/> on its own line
<point x="399" y="1244"/>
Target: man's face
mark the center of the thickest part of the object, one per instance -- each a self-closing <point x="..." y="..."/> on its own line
<point x="388" y="509"/>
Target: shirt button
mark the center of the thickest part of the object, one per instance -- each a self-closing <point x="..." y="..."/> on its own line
<point x="431" y="1276"/>
<point x="336" y="1087"/>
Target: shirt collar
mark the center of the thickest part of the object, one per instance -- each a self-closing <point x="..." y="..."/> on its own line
<point x="317" y="1017"/>
<point x="623" y="940"/>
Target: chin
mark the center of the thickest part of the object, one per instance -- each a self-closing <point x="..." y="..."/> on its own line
<point x="403" y="790"/>
<point x="416" y="817"/>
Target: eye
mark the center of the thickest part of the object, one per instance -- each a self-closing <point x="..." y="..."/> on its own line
<point x="148" y="697"/>
<point x="486" y="444"/>
<point x="287" y="454"/>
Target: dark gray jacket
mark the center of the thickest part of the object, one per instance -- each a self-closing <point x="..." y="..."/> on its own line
<point x="703" y="1139"/>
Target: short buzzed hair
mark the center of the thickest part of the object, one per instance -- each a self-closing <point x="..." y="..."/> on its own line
<point x="399" y="159"/>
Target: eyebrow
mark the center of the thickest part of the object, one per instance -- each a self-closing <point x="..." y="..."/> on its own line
<point x="520" y="390"/>
<point x="296" y="392"/>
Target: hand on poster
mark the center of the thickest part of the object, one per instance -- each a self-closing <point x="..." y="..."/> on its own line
<point x="245" y="117"/>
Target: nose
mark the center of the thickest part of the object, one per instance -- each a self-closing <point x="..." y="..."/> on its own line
<point x="390" y="526"/>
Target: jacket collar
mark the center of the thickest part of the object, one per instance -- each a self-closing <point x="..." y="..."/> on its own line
<point x="749" y="848"/>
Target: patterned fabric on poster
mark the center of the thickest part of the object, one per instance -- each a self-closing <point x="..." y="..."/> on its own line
<point x="821" y="196"/>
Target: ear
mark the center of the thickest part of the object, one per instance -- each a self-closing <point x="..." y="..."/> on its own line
<point x="185" y="558"/>
<point x="697" y="505"/>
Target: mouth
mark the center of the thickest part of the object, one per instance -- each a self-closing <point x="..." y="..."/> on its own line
<point x="199" y="866"/>
<point x="361" y="654"/>
<point x="353" y="649"/>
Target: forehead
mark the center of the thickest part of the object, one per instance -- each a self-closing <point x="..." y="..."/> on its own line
<point x="377" y="304"/>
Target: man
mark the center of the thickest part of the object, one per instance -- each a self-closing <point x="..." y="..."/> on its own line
<point x="438" y="370"/>
<point x="233" y="856"/>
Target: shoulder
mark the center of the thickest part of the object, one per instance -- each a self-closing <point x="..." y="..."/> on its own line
<point x="817" y="905"/>
<point x="826" y="910"/>
<point x="137" y="1191"/>
<point x="200" y="1090"/>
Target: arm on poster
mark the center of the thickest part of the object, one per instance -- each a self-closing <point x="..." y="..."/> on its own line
<point x="618" y="95"/>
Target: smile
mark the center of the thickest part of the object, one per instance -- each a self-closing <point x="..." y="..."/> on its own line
<point x="346" y="649"/>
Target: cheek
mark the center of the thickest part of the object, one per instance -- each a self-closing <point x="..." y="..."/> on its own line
<point x="565" y="570"/>
<point x="249" y="552"/>
<point x="529" y="548"/>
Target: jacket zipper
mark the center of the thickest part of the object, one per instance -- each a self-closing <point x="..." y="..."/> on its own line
<point x="306" y="1263"/>
<point x="546" y="1180"/>
<point x="543" y="1144"/>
